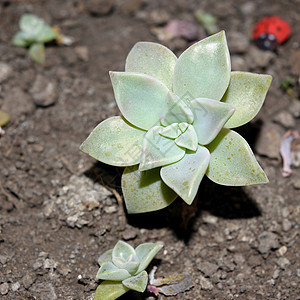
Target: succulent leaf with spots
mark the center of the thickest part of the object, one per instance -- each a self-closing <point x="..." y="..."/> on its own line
<point x="123" y="268"/>
<point x="177" y="116"/>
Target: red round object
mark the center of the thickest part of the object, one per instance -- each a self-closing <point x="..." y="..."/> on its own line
<point x="271" y="27"/>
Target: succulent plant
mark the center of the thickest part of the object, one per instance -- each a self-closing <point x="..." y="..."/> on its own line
<point x="123" y="269"/>
<point x="34" y="33"/>
<point x="177" y="115"/>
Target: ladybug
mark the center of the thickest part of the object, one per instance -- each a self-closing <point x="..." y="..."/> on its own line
<point x="269" y="32"/>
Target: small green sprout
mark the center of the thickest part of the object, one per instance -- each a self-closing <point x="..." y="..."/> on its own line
<point x="123" y="269"/>
<point x="177" y="116"/>
<point x="34" y="34"/>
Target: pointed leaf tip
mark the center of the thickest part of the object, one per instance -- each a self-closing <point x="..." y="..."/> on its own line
<point x="232" y="161"/>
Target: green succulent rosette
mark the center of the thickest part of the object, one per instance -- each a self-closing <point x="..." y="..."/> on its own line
<point x="123" y="269"/>
<point x="176" y="123"/>
<point x="34" y="32"/>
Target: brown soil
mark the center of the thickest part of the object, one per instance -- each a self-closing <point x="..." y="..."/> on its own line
<point x="58" y="207"/>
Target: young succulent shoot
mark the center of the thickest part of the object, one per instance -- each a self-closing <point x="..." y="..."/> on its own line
<point x="176" y="123"/>
<point x="123" y="268"/>
<point x="34" y="33"/>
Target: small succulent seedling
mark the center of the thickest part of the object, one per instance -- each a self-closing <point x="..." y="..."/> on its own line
<point x="34" y="34"/>
<point x="123" y="269"/>
<point x="177" y="115"/>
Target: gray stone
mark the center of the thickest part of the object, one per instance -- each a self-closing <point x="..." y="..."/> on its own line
<point x="259" y="58"/>
<point x="45" y="291"/>
<point x="285" y="119"/>
<point x="267" y="241"/>
<point x="129" y="235"/>
<point x="296" y="183"/>
<point x="268" y="142"/>
<point x="17" y="103"/>
<point x="99" y="7"/>
<point x="4" y="288"/>
<point x="237" y="42"/>
<point x="159" y="17"/>
<point x="5" y="71"/>
<point x="205" y="284"/>
<point x="294" y="109"/>
<point x="28" y="280"/>
<point x="283" y="262"/>
<point x="298" y="272"/>
<point x="3" y="259"/>
<point x="129" y="7"/>
<point x="75" y="199"/>
<point x="285" y="212"/>
<point x="207" y="268"/>
<point x="15" y="286"/>
<point x="286" y="225"/>
<point x="50" y="264"/>
<point x="276" y="274"/>
<point x="44" y="91"/>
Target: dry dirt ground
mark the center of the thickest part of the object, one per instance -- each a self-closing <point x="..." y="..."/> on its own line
<point x="58" y="207"/>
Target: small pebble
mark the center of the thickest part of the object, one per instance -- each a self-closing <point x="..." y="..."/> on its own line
<point x="15" y="286"/>
<point x="282" y="250"/>
<point x="285" y="212"/>
<point x="296" y="183"/>
<point x="3" y="259"/>
<point x="44" y="91"/>
<point x="28" y="280"/>
<point x="286" y="225"/>
<point x="205" y="284"/>
<point x="4" y="288"/>
<point x="208" y="268"/>
<point x="110" y="209"/>
<point x="282" y="262"/>
<point x="276" y="274"/>
<point x="298" y="272"/>
<point x="267" y="241"/>
<point x="285" y="119"/>
<point x="50" y="264"/>
<point x="5" y="71"/>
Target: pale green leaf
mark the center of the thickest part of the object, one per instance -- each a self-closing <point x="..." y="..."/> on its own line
<point x="110" y="290"/>
<point x="146" y="252"/>
<point x="115" y="142"/>
<point x="246" y="92"/>
<point x="203" y="70"/>
<point x="152" y="59"/>
<point x="172" y="131"/>
<point x="175" y="110"/>
<point x="184" y="177"/>
<point x="31" y="23"/>
<point x="124" y="257"/>
<point x="210" y="117"/>
<point x="140" y="98"/>
<point x="108" y="271"/>
<point x="158" y="150"/>
<point x="18" y="40"/>
<point x="105" y="257"/>
<point x="145" y="191"/>
<point x="188" y="139"/>
<point x="183" y="126"/>
<point x="232" y="161"/>
<point x="37" y="53"/>
<point x="137" y="283"/>
<point x="47" y="34"/>
<point x="123" y="250"/>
